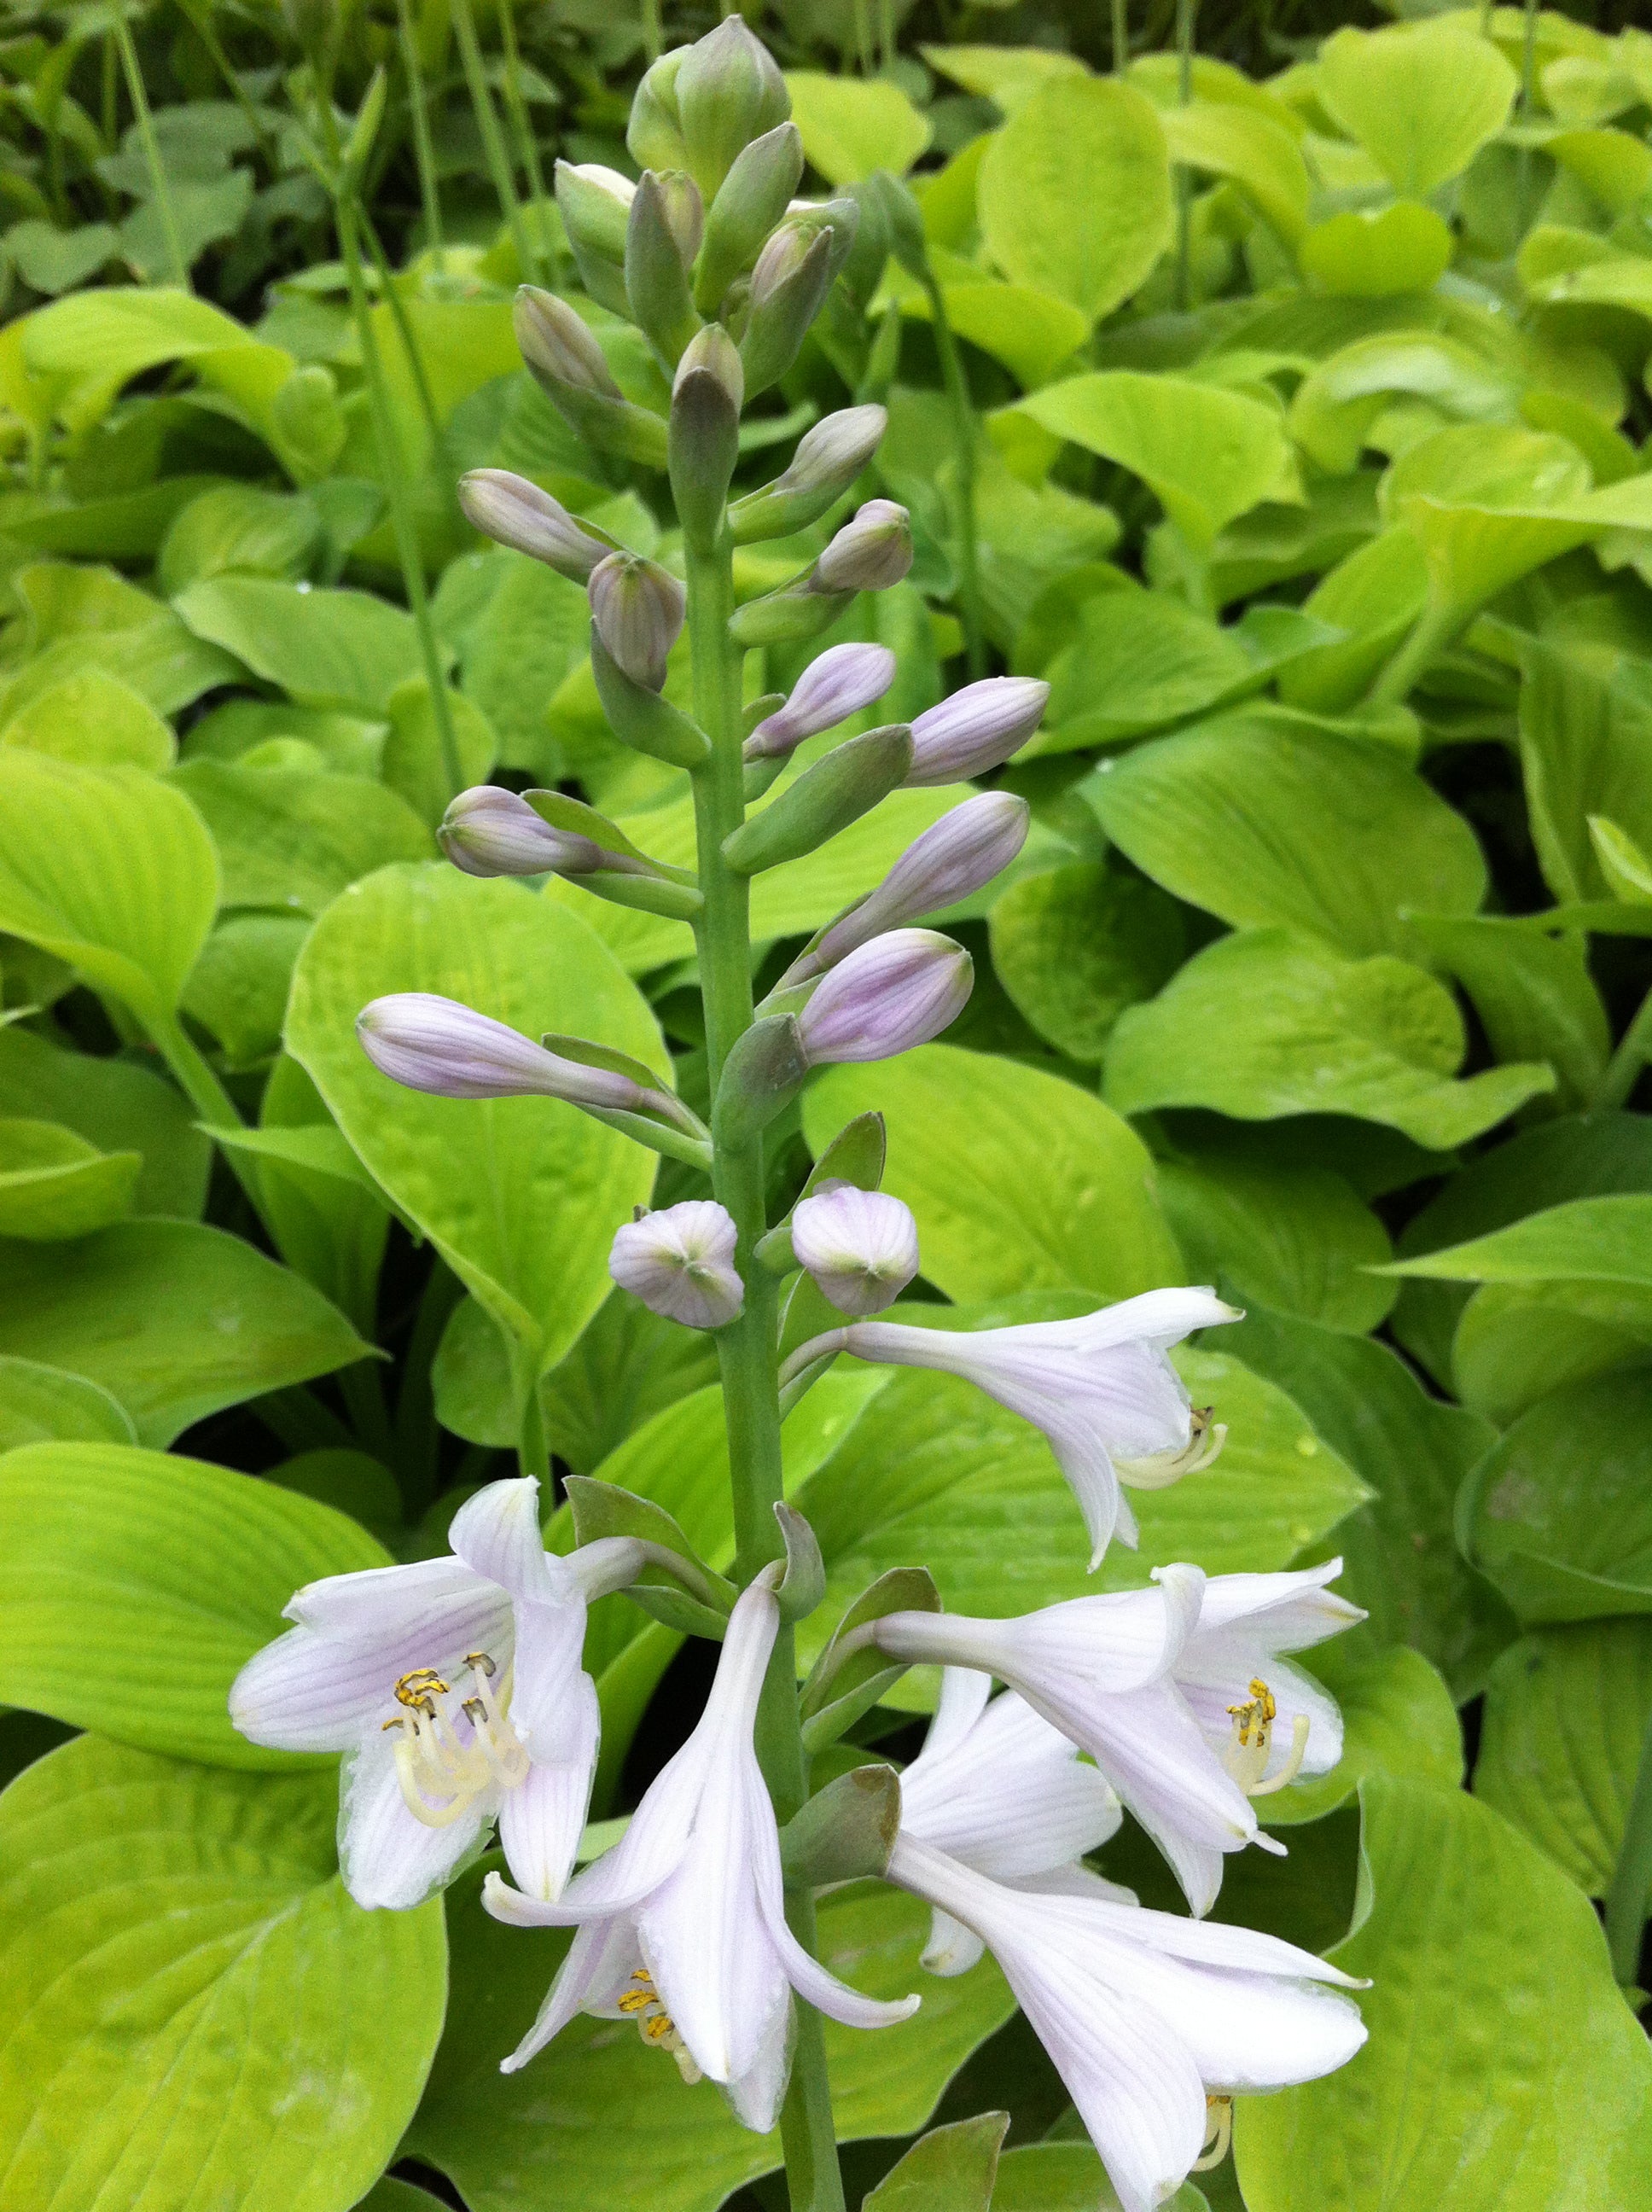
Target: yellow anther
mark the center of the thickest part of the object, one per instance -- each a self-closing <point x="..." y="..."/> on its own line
<point x="419" y="1690"/>
<point x="1259" y="1713"/>
<point x="655" y="2024"/>
<point x="1218" y="2132"/>
<point x="482" y="1660"/>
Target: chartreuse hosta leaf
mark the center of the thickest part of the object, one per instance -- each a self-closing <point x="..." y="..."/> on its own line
<point x="116" y="1105"/>
<point x="196" y="2011"/>
<point x="850" y="126"/>
<point x="1566" y="1711"/>
<point x="95" y="719"/>
<point x="1421" y="98"/>
<point x="951" y="2169"/>
<point x="53" y="1184"/>
<point x="38" y="1403"/>
<point x="1074" y="192"/>
<point x="598" y="2114"/>
<point x="1558" y="1514"/>
<point x="1067" y="2177"/>
<point x="1298" y="1240"/>
<point x="1261" y="823"/>
<point x="292" y="838"/>
<point x="325" y="648"/>
<point x="1074" y="946"/>
<point x="1585" y="732"/>
<point x="1076" y="1212"/>
<point x="110" y="871"/>
<point x="1504" y="2071"/>
<point x="1269" y="1023"/>
<point x="175" y="1320"/>
<point x="136" y="1585"/>
<point x="521" y="1196"/>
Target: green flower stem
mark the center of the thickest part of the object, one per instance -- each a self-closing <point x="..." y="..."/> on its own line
<point x="140" y="100"/>
<point x="493" y="141"/>
<point x="527" y="145"/>
<point x="1187" y="11"/>
<point x="1121" y="37"/>
<point x="396" y="489"/>
<point x="397" y="307"/>
<point x="1632" y="1884"/>
<point x="747" y="1347"/>
<point x="424" y="154"/>
<point x="1528" y="102"/>
<point x="216" y="1109"/>
<point x="1623" y="1072"/>
<point x="963" y="429"/>
<point x="1434" y="629"/>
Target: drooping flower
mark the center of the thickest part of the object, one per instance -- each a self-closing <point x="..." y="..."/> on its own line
<point x="1154" y="2023"/>
<point x="455" y="1690"/>
<point x="839" y="683"/>
<point x="682" y="1925"/>
<point x="1102" y="1670"/>
<point x="901" y="990"/>
<point x="680" y="1262"/>
<point x="1101" y="1388"/>
<point x="860" y="1247"/>
<point x="975" y="729"/>
<point x="997" y="1788"/>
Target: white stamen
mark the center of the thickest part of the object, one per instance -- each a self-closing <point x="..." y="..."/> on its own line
<point x="441" y="1774"/>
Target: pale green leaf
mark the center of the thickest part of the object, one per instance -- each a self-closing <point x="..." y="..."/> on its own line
<point x="1008" y="75"/>
<point x="1297" y="1239"/>
<point x="1421" y="98"/>
<point x="293" y="839"/>
<point x="1251" y="149"/>
<point x="852" y="126"/>
<point x="323" y="647"/>
<point x="116" y="1105"/>
<point x="1366" y="253"/>
<point x="951" y="2169"/>
<point x="95" y="719"/>
<point x="53" y="1184"/>
<point x="1074" y="946"/>
<point x="38" y="1404"/>
<point x="238" y="529"/>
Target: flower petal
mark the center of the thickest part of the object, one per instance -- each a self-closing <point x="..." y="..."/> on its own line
<point x="386" y="1857"/>
<point x="540" y="1821"/>
<point x="600" y="1960"/>
<point x="497" y="1534"/>
<point x="757" y="2094"/>
<point x="952" y="1949"/>
<point x="552" y="1695"/>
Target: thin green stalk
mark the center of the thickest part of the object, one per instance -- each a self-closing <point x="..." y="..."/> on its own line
<point x="964" y="434"/>
<point x="493" y="143"/>
<point x="1623" y="1072"/>
<point x="200" y="18"/>
<point x="653" y="32"/>
<point x="1121" y="37"/>
<point x="527" y="145"/>
<point x="397" y="306"/>
<point x="863" y="35"/>
<point x="140" y="100"/>
<point x="886" y="39"/>
<point x="211" y="1102"/>
<point x="1528" y="101"/>
<point x="1631" y="1882"/>
<point x="1186" y="12"/>
<point x="395" y="478"/>
<point x="746" y="1348"/>
<point x="424" y="152"/>
<point x="1434" y="629"/>
<point x="532" y="1451"/>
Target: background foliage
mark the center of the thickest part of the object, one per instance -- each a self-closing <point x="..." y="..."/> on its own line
<point x="1298" y="439"/>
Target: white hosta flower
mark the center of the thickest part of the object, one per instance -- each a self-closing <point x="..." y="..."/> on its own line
<point x="1101" y="1388"/>
<point x="859" y="1246"/>
<point x="680" y="1262"/>
<point x="682" y="1925"/>
<point x="997" y="1788"/>
<point x="454" y="1688"/>
<point x="1151" y="2020"/>
<point x="1267" y="1720"/>
<point x="1102" y="1671"/>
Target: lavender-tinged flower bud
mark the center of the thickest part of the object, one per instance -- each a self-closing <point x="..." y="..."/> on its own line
<point x="557" y="345"/>
<point x="489" y="831"/>
<point x="727" y="91"/>
<point x="654" y="131"/>
<point x="434" y="1044"/>
<point x="595" y="205"/>
<point x="637" y="608"/>
<point x="513" y="512"/>
<point x="712" y="352"/>
<point x="827" y="461"/>
<point x="839" y="684"/>
<point x="680" y="1262"/>
<point x="656" y="276"/>
<point x="901" y="990"/>
<point x="871" y="552"/>
<point x="787" y="286"/>
<point x="704" y="442"/>
<point x="965" y="849"/>
<point x="975" y="729"/>
<point x="859" y="1246"/>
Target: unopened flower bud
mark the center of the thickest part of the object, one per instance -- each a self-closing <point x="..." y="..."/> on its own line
<point x="728" y="90"/>
<point x="870" y="553"/>
<point x="975" y="729"/>
<point x="654" y="133"/>
<point x="900" y="990"/>
<point x="558" y="346"/>
<point x="963" y="850"/>
<point x="749" y="202"/>
<point x="827" y="461"/>
<point x="595" y="205"/>
<point x="685" y="211"/>
<point x="784" y="254"/>
<point x="434" y="1044"/>
<point x="680" y="1262"/>
<point x="712" y="352"/>
<point x="489" y="831"/>
<point x="859" y="1246"/>
<point x="840" y="683"/>
<point x="513" y="512"/>
<point x="787" y="286"/>
<point x="637" y="608"/>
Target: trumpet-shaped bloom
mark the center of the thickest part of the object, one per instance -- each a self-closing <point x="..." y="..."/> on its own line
<point x="860" y="1246"/>
<point x="997" y="1788"/>
<point x="1148" y="2018"/>
<point x="454" y="1688"/>
<point x="1102" y="1671"/>
<point x="1101" y="1388"/>
<point x="682" y="1925"/>
<point x="1268" y="1720"/>
<point x="680" y="1262"/>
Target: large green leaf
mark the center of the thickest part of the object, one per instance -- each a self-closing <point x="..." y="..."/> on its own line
<point x="1260" y="823"/>
<point x="325" y="648"/>
<point x="1209" y="455"/>
<point x="54" y="1185"/>
<point x="116" y="1105"/>
<point x="1300" y="1240"/>
<point x="1534" y="995"/>
<point x="109" y="870"/>
<point x="1503" y="2069"/>
<point x="1266" y="1023"/>
<point x="850" y="126"/>
<point x="289" y="838"/>
<point x="1414" y="1452"/>
<point x="1074" y="946"/>
<point x="1067" y="2177"/>
<point x="1585" y="750"/>
<point x="1076" y="1211"/>
<point x="135" y="1585"/>
<point x="1598" y="1240"/>
<point x="95" y="719"/>
<point x="1566" y="1710"/>
<point x="196" y="2014"/>
<point x="38" y="1403"/>
<point x="1421" y="98"/>
<point x="521" y="1196"/>
<point x="598" y="2107"/>
<point x="1260" y="155"/>
<point x="951" y="2169"/>
<point x="1559" y="1512"/>
<point x="1074" y="192"/>
<point x="172" y="1319"/>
